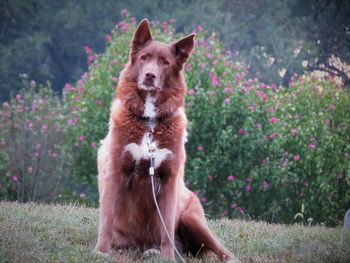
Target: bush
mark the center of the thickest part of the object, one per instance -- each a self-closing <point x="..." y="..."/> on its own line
<point x="250" y="147"/>
<point x="34" y="161"/>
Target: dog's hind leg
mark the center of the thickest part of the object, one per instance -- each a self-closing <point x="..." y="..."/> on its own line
<point x="196" y="235"/>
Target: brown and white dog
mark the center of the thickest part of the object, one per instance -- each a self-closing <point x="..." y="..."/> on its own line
<point x="151" y="88"/>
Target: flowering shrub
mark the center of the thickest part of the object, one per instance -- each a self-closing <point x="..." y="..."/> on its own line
<point x="254" y="149"/>
<point x="34" y="163"/>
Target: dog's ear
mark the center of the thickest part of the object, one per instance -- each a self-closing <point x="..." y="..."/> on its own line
<point x="183" y="48"/>
<point x="141" y="36"/>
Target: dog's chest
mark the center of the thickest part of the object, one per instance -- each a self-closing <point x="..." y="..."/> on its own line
<point x="148" y="145"/>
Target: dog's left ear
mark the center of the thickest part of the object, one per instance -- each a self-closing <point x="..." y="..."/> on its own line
<point x="141" y="36"/>
<point x="183" y="48"/>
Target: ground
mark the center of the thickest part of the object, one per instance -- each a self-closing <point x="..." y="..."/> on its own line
<point x="67" y="233"/>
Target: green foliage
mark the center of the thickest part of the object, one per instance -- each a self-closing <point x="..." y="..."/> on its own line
<point x="250" y="147"/>
<point x="34" y="161"/>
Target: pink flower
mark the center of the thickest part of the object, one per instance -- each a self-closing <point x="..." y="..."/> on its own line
<point x="214" y="80"/>
<point x="82" y="138"/>
<point x="233" y="205"/>
<point x="165" y="24"/>
<point x="241" y="210"/>
<point x="54" y="155"/>
<point x="210" y="178"/>
<point x="91" y="58"/>
<point x="272" y="136"/>
<point x="225" y="212"/>
<point x="273" y="119"/>
<point x="6" y="105"/>
<point x="30" y="169"/>
<point x="248" y="188"/>
<point x="242" y="131"/>
<point x="115" y="79"/>
<point x="82" y="195"/>
<point x="200" y="148"/>
<point x="196" y="193"/>
<point x="263" y="85"/>
<point x="238" y="77"/>
<point x="107" y="38"/>
<point x="228" y="90"/>
<point x="258" y="126"/>
<point x="124" y="13"/>
<point x="226" y="101"/>
<point x="15" y="178"/>
<point x="93" y="144"/>
<point x="44" y="127"/>
<point x="188" y="67"/>
<point x="172" y="20"/>
<point x="199" y="28"/>
<point x="203" y="200"/>
<point x="230" y="178"/>
<point x="311" y="146"/>
<point x="211" y="93"/>
<point x="87" y="50"/>
<point x="265" y="185"/>
<point x="191" y="92"/>
<point x="296" y="157"/>
<point x="331" y="107"/>
<point x="67" y="87"/>
<point x="30" y="125"/>
<point x="293" y="131"/>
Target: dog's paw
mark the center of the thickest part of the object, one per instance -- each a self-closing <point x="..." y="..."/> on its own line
<point x="168" y="254"/>
<point x="229" y="258"/>
<point x="151" y="252"/>
<point x="102" y="248"/>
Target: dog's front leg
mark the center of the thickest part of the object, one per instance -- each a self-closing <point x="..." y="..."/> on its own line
<point x="108" y="198"/>
<point x="167" y="204"/>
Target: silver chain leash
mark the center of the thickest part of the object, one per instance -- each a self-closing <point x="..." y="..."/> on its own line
<point x="151" y="155"/>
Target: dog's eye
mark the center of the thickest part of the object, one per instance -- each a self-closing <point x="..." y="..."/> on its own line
<point x="143" y="57"/>
<point x="166" y="62"/>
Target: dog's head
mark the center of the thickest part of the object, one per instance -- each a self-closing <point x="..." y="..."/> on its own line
<point x="155" y="63"/>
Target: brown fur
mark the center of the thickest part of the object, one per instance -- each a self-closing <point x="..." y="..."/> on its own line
<point x="128" y="217"/>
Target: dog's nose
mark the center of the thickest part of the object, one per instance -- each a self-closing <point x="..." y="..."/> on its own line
<point x="150" y="76"/>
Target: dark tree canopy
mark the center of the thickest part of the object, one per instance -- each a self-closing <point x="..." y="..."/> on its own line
<point x="46" y="39"/>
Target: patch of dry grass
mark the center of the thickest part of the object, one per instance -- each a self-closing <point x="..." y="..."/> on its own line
<point x="66" y="233"/>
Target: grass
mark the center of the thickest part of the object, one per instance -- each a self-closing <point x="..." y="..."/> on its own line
<point x="67" y="233"/>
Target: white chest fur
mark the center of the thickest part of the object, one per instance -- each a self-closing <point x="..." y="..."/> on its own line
<point x="150" y="110"/>
<point x="140" y="151"/>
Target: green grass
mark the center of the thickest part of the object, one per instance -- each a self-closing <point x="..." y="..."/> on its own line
<point x="67" y="233"/>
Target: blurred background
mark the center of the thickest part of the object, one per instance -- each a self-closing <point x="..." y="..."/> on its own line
<point x="268" y="101"/>
<point x="46" y="39"/>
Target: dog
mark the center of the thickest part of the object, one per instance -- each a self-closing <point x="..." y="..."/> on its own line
<point x="147" y="113"/>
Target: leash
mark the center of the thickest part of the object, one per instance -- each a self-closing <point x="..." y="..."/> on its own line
<point x="151" y="156"/>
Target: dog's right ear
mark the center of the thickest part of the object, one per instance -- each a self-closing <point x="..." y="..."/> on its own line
<point x="141" y="36"/>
